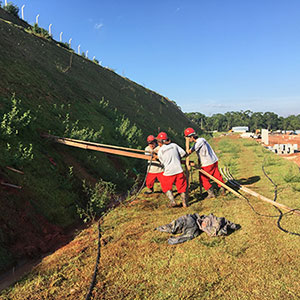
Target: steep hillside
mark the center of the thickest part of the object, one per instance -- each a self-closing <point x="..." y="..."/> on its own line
<point x="45" y="87"/>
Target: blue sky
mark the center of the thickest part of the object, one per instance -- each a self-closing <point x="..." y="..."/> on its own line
<point x="209" y="56"/>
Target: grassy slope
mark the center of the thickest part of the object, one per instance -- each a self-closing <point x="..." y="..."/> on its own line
<point x="36" y="71"/>
<point x="256" y="262"/>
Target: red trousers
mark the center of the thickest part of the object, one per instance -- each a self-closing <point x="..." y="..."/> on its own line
<point x="179" y="180"/>
<point x="151" y="179"/>
<point x="212" y="170"/>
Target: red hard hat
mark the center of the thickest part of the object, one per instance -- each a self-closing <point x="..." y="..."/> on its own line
<point x="162" y="136"/>
<point x="189" y="131"/>
<point x="150" y="138"/>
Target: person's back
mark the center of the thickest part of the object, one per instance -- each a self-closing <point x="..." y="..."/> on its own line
<point x="208" y="160"/>
<point x="204" y="151"/>
<point x="170" y="156"/>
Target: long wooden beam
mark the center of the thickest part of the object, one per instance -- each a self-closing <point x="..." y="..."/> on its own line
<point x="107" y="149"/>
<point x="102" y="149"/>
<point x="92" y="143"/>
<point x="265" y="199"/>
<point x="257" y="195"/>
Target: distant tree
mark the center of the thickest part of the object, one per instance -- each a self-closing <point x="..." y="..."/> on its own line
<point x="293" y="122"/>
<point x="217" y="122"/>
<point x="229" y="120"/>
<point x="256" y="121"/>
<point x="83" y="55"/>
<point x="96" y="61"/>
<point x="271" y="120"/>
<point x="12" y="9"/>
<point x="198" y="118"/>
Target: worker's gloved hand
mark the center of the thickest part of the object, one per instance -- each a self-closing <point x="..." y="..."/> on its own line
<point x="154" y="156"/>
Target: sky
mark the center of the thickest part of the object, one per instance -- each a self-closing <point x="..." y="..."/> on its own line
<point x="209" y="56"/>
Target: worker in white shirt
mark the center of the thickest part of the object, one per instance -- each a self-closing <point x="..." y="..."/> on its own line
<point x="208" y="160"/>
<point x="170" y="154"/>
<point x="155" y="169"/>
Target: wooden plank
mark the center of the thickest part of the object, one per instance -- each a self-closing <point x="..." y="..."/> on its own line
<point x="265" y="199"/>
<point x="92" y="143"/>
<point x="14" y="170"/>
<point x="11" y="185"/>
<point x="102" y="149"/>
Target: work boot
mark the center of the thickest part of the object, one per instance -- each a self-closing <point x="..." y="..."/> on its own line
<point x="169" y="194"/>
<point x="184" y="200"/>
<point x="222" y="191"/>
<point x="210" y="193"/>
<point x="148" y="191"/>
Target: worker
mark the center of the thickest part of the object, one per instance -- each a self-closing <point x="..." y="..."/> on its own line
<point x="207" y="158"/>
<point x="155" y="169"/>
<point x="170" y="154"/>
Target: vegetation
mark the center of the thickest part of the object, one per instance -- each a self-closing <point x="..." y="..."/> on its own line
<point x="12" y="9"/>
<point x="256" y="262"/>
<point x="49" y="89"/>
<point x="41" y="32"/>
<point x="254" y="120"/>
<point x="99" y="197"/>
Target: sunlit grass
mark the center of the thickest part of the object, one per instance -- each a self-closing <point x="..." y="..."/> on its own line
<point x="256" y="262"/>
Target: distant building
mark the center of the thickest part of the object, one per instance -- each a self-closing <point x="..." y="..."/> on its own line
<point x="240" y="129"/>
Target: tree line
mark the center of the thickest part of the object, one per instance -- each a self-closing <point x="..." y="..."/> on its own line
<point x="254" y="120"/>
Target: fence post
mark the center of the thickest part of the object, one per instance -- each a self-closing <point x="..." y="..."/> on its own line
<point x="22" y="11"/>
<point x="37" y="20"/>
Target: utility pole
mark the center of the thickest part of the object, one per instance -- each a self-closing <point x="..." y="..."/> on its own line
<point x="79" y="49"/>
<point x="60" y="36"/>
<point x="86" y="54"/>
<point x="22" y="11"/>
<point x="37" y="19"/>
<point x="50" y="33"/>
<point x="70" y="42"/>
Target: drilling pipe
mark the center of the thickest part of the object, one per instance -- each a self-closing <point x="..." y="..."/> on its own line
<point x="110" y="149"/>
<point x="90" y="143"/>
<point x="250" y="192"/>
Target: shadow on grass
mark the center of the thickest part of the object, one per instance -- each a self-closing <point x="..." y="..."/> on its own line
<point x="249" y="180"/>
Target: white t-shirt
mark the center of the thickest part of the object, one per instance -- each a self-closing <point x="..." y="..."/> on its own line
<point x="170" y="157"/>
<point x="205" y="153"/>
<point x="156" y="166"/>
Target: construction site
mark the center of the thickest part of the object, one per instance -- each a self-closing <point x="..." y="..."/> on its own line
<point x="285" y="145"/>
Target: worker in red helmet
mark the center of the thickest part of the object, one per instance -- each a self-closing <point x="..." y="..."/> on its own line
<point x="207" y="158"/>
<point x="170" y="154"/>
<point x="155" y="169"/>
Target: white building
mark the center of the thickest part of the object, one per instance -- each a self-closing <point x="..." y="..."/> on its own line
<point x="240" y="129"/>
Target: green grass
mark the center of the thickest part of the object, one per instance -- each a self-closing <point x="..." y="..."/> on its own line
<point x="256" y="262"/>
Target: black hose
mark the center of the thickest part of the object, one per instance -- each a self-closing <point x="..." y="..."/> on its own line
<point x="280" y="212"/>
<point x="93" y="281"/>
<point x="144" y="181"/>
